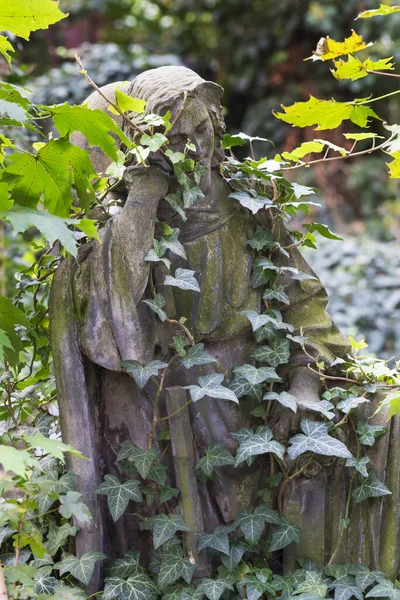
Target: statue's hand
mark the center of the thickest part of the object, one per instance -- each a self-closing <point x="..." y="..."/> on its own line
<point x="146" y="183"/>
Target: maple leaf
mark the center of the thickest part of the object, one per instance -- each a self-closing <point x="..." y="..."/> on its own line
<point x="328" y="48"/>
<point x="383" y="10"/>
<point x="355" y="69"/>
<point x="21" y="17"/>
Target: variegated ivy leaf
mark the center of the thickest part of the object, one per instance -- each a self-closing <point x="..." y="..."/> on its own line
<point x="213" y="588"/>
<point x="324" y="407"/>
<point x="174" y="201"/>
<point x="217" y="540"/>
<point x="119" y="494"/>
<point x="278" y="353"/>
<point x="345" y="588"/>
<point x="312" y="584"/>
<point x="359" y="465"/>
<point x="284" y="535"/>
<point x="197" y="356"/>
<point x="349" y="403"/>
<point x="165" y="527"/>
<point x="142" y="373"/>
<point x="251" y="200"/>
<point x="180" y="591"/>
<point x="167" y="493"/>
<point x="242" y="387"/>
<point x="183" y="279"/>
<point x="370" y="488"/>
<point x="157" y="256"/>
<point x="44" y="584"/>
<point x="157" y="305"/>
<point x="66" y="483"/>
<point x="191" y="195"/>
<point x="126" y="566"/>
<point x="210" y="385"/>
<point x="81" y="568"/>
<point x="57" y="536"/>
<point x="255" y="587"/>
<point x="384" y="589"/>
<point x="276" y="293"/>
<point x="216" y="456"/>
<point x="142" y="459"/>
<point x="252" y="524"/>
<point x="316" y="439"/>
<point x="261" y="239"/>
<point x="258" y="320"/>
<point x="284" y="398"/>
<point x="254" y="375"/>
<point x="158" y="473"/>
<point x="136" y="587"/>
<point x="364" y="577"/>
<point x="234" y="557"/>
<point x="254" y="443"/>
<point x="172" y="244"/>
<point x="173" y="566"/>
<point x="369" y="433"/>
<point x="71" y="506"/>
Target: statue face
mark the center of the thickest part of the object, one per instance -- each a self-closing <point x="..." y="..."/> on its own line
<point x="195" y="124"/>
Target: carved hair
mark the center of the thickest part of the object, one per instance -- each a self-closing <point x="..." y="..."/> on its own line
<point x="164" y="88"/>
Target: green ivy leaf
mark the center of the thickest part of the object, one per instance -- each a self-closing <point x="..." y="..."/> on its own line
<point x="284" y="398"/>
<point x="44" y="584"/>
<point x="384" y="589"/>
<point x="257" y="320"/>
<point x="70" y="506"/>
<point x="95" y="125"/>
<point x="251" y="200"/>
<point x="153" y="142"/>
<point x="359" y="464"/>
<point x="254" y="443"/>
<point x="217" y="540"/>
<point x="261" y="239"/>
<point x="370" y="488"/>
<point x="255" y="588"/>
<point x="136" y="587"/>
<point x="197" y="356"/>
<point x="183" y="279"/>
<point x="191" y="195"/>
<point x="22" y="17"/>
<point x="165" y="527"/>
<point x="167" y="493"/>
<point x="276" y="293"/>
<point x="126" y="566"/>
<point x="142" y="373"/>
<point x="119" y="494"/>
<point x="58" y="536"/>
<point x="349" y="403"/>
<point x="216" y="456"/>
<point x="278" y="353"/>
<point x="369" y="433"/>
<point x="284" y="535"/>
<point x="81" y="568"/>
<point x="157" y="305"/>
<point x="142" y="459"/>
<point x="173" y="566"/>
<point x="213" y="588"/>
<point x="63" y="592"/>
<point x="312" y="584"/>
<point x="210" y="385"/>
<point x="345" y="588"/>
<point x="322" y="230"/>
<point x="254" y="375"/>
<point x="242" y="387"/>
<point x="316" y="439"/>
<point x="174" y="201"/>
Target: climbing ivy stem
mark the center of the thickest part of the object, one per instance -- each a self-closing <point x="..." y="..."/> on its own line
<point x="175" y="412"/>
<point x="156" y="418"/>
<point x="346" y="516"/>
<point x="185" y="329"/>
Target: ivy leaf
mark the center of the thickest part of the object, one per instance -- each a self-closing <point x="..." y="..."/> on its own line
<point x="17" y="461"/>
<point x="172" y="243"/>
<point x="44" y="584"/>
<point x="326" y="114"/>
<point x="50" y="174"/>
<point x="316" y="439"/>
<point x="258" y="320"/>
<point x="217" y="540"/>
<point x="81" y="568"/>
<point x="95" y="125"/>
<point x="165" y="527"/>
<point x="384" y="589"/>
<point x="383" y="9"/>
<point x="167" y="493"/>
<point x="70" y="506"/>
<point x="180" y="591"/>
<point x="210" y="385"/>
<point x="276" y="293"/>
<point x="216" y="456"/>
<point x="254" y="587"/>
<point x="359" y="464"/>
<point x="251" y="524"/>
<point x="136" y="587"/>
<point x="369" y="433"/>
<point x="213" y="588"/>
<point x="364" y="577"/>
<point x="254" y="443"/>
<point x="354" y="69"/>
<point x="183" y="279"/>
<point x="173" y="566"/>
<point x="173" y="200"/>
<point x="284" y="535"/>
<point x="126" y="566"/>
<point x="156" y="306"/>
<point x="158" y="473"/>
<point x="56" y="448"/>
<point x="153" y="142"/>
<point x="370" y="488"/>
<point x="22" y="17"/>
<point x="57" y="536"/>
<point x="234" y="557"/>
<point x="284" y="398"/>
<point x="197" y="356"/>
<point x="254" y="375"/>
<point x="251" y="200"/>
<point x="312" y="584"/>
<point x="261" y="239"/>
<point x="328" y="48"/>
<point x="322" y="230"/>
<point x="141" y="458"/>
<point x="142" y="373"/>
<point x="278" y="353"/>
<point x="191" y="195"/>
<point x="119" y="494"/>
<point x="229" y="141"/>
<point x="242" y="387"/>
<point x="349" y="403"/>
<point x="324" y="407"/>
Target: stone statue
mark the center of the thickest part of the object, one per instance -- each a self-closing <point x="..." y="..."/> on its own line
<point x="98" y="319"/>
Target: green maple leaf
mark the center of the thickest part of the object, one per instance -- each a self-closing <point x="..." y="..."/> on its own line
<point x="56" y="448"/>
<point x="17" y="461"/>
<point x="95" y="125"/>
<point x="23" y="16"/>
<point x="50" y="176"/>
<point x="326" y="114"/>
<point x="119" y="494"/>
<point x="355" y="69"/>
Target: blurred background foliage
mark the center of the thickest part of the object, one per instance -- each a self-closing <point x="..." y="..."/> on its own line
<point x="255" y="49"/>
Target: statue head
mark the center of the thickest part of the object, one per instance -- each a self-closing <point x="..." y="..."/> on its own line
<point x="198" y="118"/>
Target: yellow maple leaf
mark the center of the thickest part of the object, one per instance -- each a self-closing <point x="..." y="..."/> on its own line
<point x="383" y="10"/>
<point x="21" y="17"/>
<point x="355" y="69"/>
<point x="328" y="48"/>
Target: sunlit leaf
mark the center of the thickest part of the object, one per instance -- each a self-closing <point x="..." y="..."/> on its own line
<point x="21" y="17"/>
<point x="355" y="69"/>
<point x="316" y="439"/>
<point x="383" y="9"/>
<point x="5" y="48"/>
<point x="210" y="385"/>
<point x="328" y="48"/>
